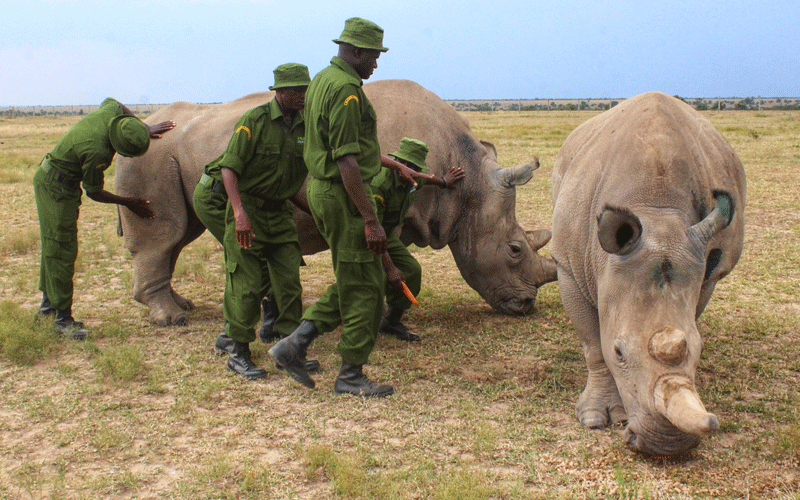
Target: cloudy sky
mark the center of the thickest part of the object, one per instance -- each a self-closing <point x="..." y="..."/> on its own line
<point x="64" y="52"/>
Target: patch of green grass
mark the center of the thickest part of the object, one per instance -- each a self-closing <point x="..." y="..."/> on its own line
<point x="463" y="485"/>
<point x="122" y="362"/>
<point x="24" y="339"/>
<point x="787" y="443"/>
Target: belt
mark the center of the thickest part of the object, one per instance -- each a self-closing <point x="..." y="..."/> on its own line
<point x="335" y="180"/>
<point x="266" y="205"/>
<point x="216" y="186"/>
<point x="61" y="176"/>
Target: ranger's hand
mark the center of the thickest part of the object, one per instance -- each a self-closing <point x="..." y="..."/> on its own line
<point x="157" y="130"/>
<point x="141" y="208"/>
<point x="375" y="236"/>
<point x="454" y="175"/>
<point x="408" y="174"/>
<point x="244" y="229"/>
<point x="395" y="277"/>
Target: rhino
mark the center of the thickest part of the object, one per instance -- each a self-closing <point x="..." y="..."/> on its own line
<point x="648" y="216"/>
<point x="477" y="220"/>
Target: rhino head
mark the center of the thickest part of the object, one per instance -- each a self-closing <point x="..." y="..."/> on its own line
<point x="648" y="295"/>
<point x="496" y="256"/>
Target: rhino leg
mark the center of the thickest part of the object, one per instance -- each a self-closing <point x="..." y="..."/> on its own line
<point x="152" y="273"/>
<point x="193" y="232"/>
<point x="600" y="404"/>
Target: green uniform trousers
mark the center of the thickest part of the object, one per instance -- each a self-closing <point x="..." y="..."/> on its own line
<point x="209" y="205"/>
<point x="273" y="259"/>
<point x="411" y="270"/>
<point x="355" y="300"/>
<point x="58" y="205"/>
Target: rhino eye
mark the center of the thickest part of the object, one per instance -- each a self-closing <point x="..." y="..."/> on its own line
<point x="516" y="247"/>
<point x="619" y="351"/>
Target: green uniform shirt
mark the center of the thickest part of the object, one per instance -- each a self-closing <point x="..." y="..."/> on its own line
<point x="393" y="198"/>
<point x="340" y="121"/>
<point x="85" y="151"/>
<point x="266" y="153"/>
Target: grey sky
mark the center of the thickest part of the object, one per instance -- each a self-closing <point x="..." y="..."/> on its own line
<point x="55" y="52"/>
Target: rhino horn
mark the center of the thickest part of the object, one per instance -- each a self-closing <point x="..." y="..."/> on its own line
<point x="678" y="401"/>
<point x="717" y="220"/>
<point x="668" y="346"/>
<point x="517" y="176"/>
<point x="548" y="271"/>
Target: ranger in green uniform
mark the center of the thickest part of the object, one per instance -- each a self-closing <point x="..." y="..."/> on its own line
<point x="210" y="202"/>
<point x="82" y="156"/>
<point x="393" y="199"/>
<point x="342" y="154"/>
<point x="262" y="168"/>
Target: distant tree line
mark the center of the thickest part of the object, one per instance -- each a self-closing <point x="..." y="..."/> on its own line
<point x="701" y="104"/>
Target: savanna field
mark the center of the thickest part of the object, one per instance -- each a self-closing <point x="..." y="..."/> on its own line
<point x="484" y="407"/>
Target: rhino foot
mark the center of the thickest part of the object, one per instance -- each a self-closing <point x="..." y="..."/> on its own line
<point x="162" y="317"/>
<point x="184" y="303"/>
<point x="598" y="408"/>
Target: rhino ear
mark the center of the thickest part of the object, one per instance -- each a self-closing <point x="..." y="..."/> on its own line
<point x="717" y="220"/>
<point x="516" y="176"/>
<point x="618" y="230"/>
<point x="491" y="149"/>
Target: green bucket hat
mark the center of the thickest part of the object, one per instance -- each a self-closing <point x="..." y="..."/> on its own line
<point x="362" y="34"/>
<point x="291" y="75"/>
<point x="412" y="151"/>
<point x="129" y="135"/>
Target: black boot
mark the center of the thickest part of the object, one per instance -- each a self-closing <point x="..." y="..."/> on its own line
<point x="391" y="324"/>
<point x="46" y="309"/>
<point x="290" y="353"/>
<point x="66" y="325"/>
<point x="224" y="345"/>
<point x="351" y="380"/>
<point x="239" y="362"/>
<point x="269" y="314"/>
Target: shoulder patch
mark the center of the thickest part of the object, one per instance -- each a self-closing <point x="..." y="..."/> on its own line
<point x="350" y="98"/>
<point x="242" y="127"/>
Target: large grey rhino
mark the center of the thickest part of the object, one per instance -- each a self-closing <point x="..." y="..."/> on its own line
<point x="477" y="220"/>
<point x="648" y="215"/>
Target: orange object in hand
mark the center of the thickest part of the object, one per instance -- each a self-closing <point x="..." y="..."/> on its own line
<point x="409" y="294"/>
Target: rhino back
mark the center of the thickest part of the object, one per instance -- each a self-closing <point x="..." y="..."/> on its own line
<point x="406" y="109"/>
<point x="652" y="150"/>
<point x="201" y="134"/>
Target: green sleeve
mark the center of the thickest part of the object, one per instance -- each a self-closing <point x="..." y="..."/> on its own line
<point x="94" y="167"/>
<point x="345" y="118"/>
<point x="241" y="147"/>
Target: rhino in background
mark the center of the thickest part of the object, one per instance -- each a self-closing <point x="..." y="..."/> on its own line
<point x="477" y="220"/>
<point x="648" y="215"/>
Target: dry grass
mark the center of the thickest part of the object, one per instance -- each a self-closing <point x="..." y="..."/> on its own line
<point x="484" y="407"/>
